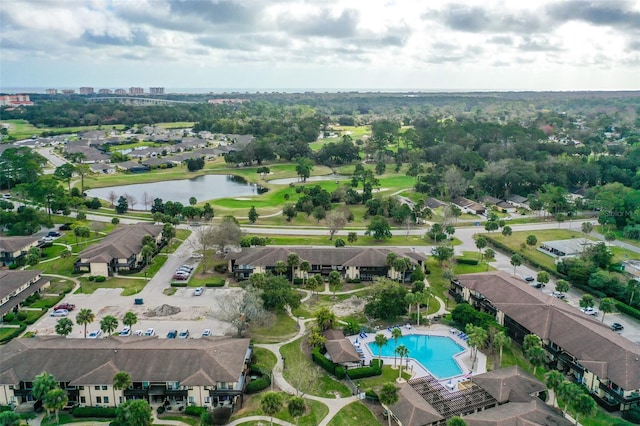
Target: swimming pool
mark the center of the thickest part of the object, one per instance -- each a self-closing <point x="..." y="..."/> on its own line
<point x="435" y="353"/>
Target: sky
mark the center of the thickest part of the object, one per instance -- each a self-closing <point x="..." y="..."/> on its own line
<point x="329" y="45"/>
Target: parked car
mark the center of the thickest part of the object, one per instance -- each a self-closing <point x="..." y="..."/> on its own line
<point x="48" y="239"/>
<point x="529" y="279"/>
<point x="150" y="332"/>
<point x="94" y="334"/>
<point x="537" y="285"/>
<point x="616" y="326"/>
<point x="197" y="291"/>
<point x="126" y="331"/>
<point x="7" y="195"/>
<point x="68" y="306"/>
<point x="65" y="227"/>
<point x="172" y="334"/>
<point x="187" y="268"/>
<point x="590" y="311"/>
<point x="196" y="255"/>
<point x="180" y="277"/>
<point x="558" y="295"/>
<point x="138" y="333"/>
<point x="206" y="332"/>
<point x="53" y="234"/>
<point x="60" y="313"/>
<point x="183" y="334"/>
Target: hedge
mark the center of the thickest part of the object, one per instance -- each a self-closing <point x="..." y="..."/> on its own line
<point x="94" y="412"/>
<point x="16" y="332"/>
<point x="626" y="309"/>
<point x="377" y="363"/>
<point x="466" y="261"/>
<point x="100" y="279"/>
<point x="322" y="361"/>
<point x="258" y="384"/>
<point x="371" y="394"/>
<point x="178" y="284"/>
<point x="353" y="280"/>
<point x="298" y="281"/>
<point x="359" y="373"/>
<point x="340" y="372"/>
<point x="194" y="411"/>
<point x="218" y="284"/>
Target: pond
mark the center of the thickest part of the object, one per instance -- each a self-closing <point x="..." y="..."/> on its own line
<point x="311" y="179"/>
<point x="206" y="187"/>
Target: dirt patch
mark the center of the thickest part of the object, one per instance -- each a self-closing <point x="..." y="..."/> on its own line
<point x="352" y="305"/>
<point x="163" y="311"/>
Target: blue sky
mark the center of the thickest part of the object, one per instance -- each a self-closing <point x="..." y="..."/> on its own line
<point x="333" y="44"/>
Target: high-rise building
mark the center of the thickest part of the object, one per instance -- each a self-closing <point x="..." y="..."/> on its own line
<point x="156" y="90"/>
<point x="136" y="91"/>
<point x="120" y="92"/>
<point x="87" y="91"/>
<point x="105" y="92"/>
<point x="68" y="92"/>
<point x="15" y="100"/>
<point x="51" y="91"/>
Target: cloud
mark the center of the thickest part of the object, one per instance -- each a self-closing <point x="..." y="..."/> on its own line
<point x="321" y="24"/>
<point x="476" y="19"/>
<point x="537" y="44"/>
<point x="612" y="13"/>
<point x="136" y="38"/>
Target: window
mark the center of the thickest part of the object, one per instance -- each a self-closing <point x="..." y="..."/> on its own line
<point x="192" y="400"/>
<point x="105" y="399"/>
<point x="80" y="387"/>
<point x="83" y="400"/>
<point x="11" y="387"/>
<point x="120" y="400"/>
<point x="207" y="399"/>
<point x="104" y="387"/>
<point x="96" y="387"/>
<point x="99" y="399"/>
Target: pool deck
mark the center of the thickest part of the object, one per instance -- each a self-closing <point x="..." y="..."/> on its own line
<point x="415" y="368"/>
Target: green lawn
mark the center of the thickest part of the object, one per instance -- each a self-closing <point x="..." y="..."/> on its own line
<point x="316" y="411"/>
<point x="355" y="413"/>
<point x="265" y="360"/>
<point x="193" y="421"/>
<point x="325" y="386"/>
<point x="22" y="129"/>
<point x="399" y="239"/>
<point x="152" y="268"/>
<point x="389" y="375"/>
<point x="282" y="329"/>
<point x="68" y="418"/>
<point x="129" y="286"/>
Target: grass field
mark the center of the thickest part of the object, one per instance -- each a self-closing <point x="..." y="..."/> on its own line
<point x="282" y="328"/>
<point x="316" y="411"/>
<point x="21" y="129"/>
<point x="355" y="413"/>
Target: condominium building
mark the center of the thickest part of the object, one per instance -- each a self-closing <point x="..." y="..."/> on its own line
<point x="136" y="91"/>
<point x="105" y="91"/>
<point x="51" y="91"/>
<point x="87" y="91"/>
<point x="156" y="90"/>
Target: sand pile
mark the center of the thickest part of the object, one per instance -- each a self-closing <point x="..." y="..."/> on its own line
<point x="163" y="311"/>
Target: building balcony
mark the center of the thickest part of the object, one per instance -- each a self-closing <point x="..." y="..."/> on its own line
<point x="136" y="392"/>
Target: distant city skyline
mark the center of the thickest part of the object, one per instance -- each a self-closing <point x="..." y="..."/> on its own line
<point x="333" y="45"/>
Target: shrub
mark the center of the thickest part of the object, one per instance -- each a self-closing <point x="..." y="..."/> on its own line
<point x="371" y="394"/>
<point x="359" y="373"/>
<point x="94" y="412"/>
<point x="4" y="408"/>
<point x="21" y="316"/>
<point x="15" y="332"/>
<point x="322" y="361"/>
<point x="340" y="243"/>
<point x="258" y="384"/>
<point x="160" y="409"/>
<point x="100" y="279"/>
<point x="466" y="261"/>
<point x="298" y="281"/>
<point x="220" y="268"/>
<point x="174" y="284"/>
<point x="626" y="309"/>
<point x="632" y="415"/>
<point x="220" y="415"/>
<point x="216" y="284"/>
<point x="194" y="411"/>
<point x="9" y="317"/>
<point x="340" y="372"/>
<point x="377" y="363"/>
<point x="91" y="278"/>
<point x="353" y="280"/>
<point x="13" y="266"/>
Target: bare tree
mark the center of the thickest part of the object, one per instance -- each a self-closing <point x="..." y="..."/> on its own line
<point x="112" y="197"/>
<point x="146" y="200"/>
<point x="455" y="182"/>
<point x="242" y="308"/>
<point x="302" y="376"/>
<point x="97" y="227"/>
<point x="203" y="242"/>
<point x="227" y="233"/>
<point x="336" y="220"/>
<point x="131" y="200"/>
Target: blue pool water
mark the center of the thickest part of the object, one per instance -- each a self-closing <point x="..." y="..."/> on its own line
<point x="435" y="353"/>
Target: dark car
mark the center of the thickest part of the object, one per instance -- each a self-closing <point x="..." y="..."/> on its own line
<point x="617" y="326"/>
<point x="65" y="227"/>
<point x="529" y="279"/>
<point x="172" y="334"/>
<point x="67" y="306"/>
<point x="53" y="234"/>
<point x="538" y="285"/>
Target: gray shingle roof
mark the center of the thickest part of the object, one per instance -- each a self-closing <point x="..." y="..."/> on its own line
<point x="341" y="351"/>
<point x="14" y="244"/>
<point x="509" y="384"/>
<point x="10" y="281"/>
<point x="121" y="243"/>
<point x="412" y="409"/>
<point x="530" y="413"/>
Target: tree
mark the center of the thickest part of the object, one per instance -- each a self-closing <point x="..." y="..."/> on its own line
<point x="85" y="317"/>
<point x="396" y="333"/>
<point x="481" y="242"/>
<point x="507" y="231"/>
<point x="9" y="418"/>
<point x="289" y="211"/>
<point x="193" y="201"/>
<point x="543" y="277"/>
<point x="567" y="393"/>
<point x="129" y="319"/>
<point x="389" y="396"/>
<point x="402" y="352"/>
<point x="65" y="173"/>
<point x="82" y="170"/>
<point x="443" y="253"/>
<point x="305" y="268"/>
<point x="562" y="286"/>
<point x="553" y="380"/>
<point x="121" y="380"/>
<point x="82" y="232"/>
<point x="610" y="237"/>
<point x="271" y="404"/>
<point x="531" y="240"/>
<point x="500" y="341"/>
<point x="280" y="267"/>
<point x="325" y="319"/>
<point x="491" y="226"/>
<point x="319" y="213"/>
<point x="122" y="206"/>
<point x="296" y="407"/>
<point x="607" y="305"/>
<point x="253" y="214"/>
<point x="134" y="412"/>
<point x="42" y="384"/>
<point x="33" y="256"/>
<point x="55" y="400"/>
<point x="456" y="421"/>
<point x="293" y="261"/>
<point x="335" y="282"/>
<point x="242" y="308"/>
<point x="379" y="228"/>
<point x="226" y="233"/>
<point x="380" y="341"/>
<point x="477" y="338"/>
<point x="336" y="220"/>
<point x="352" y="237"/>
<point x="587" y="228"/>
<point x="386" y="299"/>
<point x="530" y="341"/>
<point x="536" y="356"/>
<point x="583" y="405"/>
<point x="423" y="296"/>
<point x="64" y="326"/>
<point x="587" y="301"/>
<point x="108" y="324"/>
<point x="516" y="260"/>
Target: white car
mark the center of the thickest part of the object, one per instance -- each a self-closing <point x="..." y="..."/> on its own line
<point x="138" y="333"/>
<point x="206" y="332"/>
<point x="197" y="291"/>
<point x="150" y="332"/>
<point x="94" y="334"/>
<point x="126" y="331"/>
<point x="48" y="239"/>
<point x="60" y="313"/>
<point x="183" y="334"/>
<point x="196" y="255"/>
<point x="590" y="311"/>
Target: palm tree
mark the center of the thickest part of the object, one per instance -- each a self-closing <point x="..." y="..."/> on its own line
<point x="583" y="405"/>
<point x="130" y="319"/>
<point x="85" y="316"/>
<point x="121" y="381"/>
<point x="424" y="296"/>
<point x="481" y="242"/>
<point x="401" y="265"/>
<point x="410" y="299"/>
<point x="554" y="379"/>
<point x="396" y="333"/>
<point x="500" y="340"/>
<point x="388" y="396"/>
<point x="607" y="305"/>
<point x="325" y="319"/>
<point x="64" y="326"/>
<point x="293" y="261"/>
<point x="568" y="392"/>
<point x="109" y="324"/>
<point x="55" y="400"/>
<point x="42" y="384"/>
<point x="280" y="267"/>
<point x="587" y="301"/>
<point x="402" y="352"/>
<point x="390" y="260"/>
<point x="296" y="407"/>
<point x="536" y="356"/>
<point x="380" y="341"/>
<point x="335" y="282"/>
<point x="305" y="266"/>
<point x="147" y="252"/>
<point x="477" y="338"/>
<point x="271" y="403"/>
